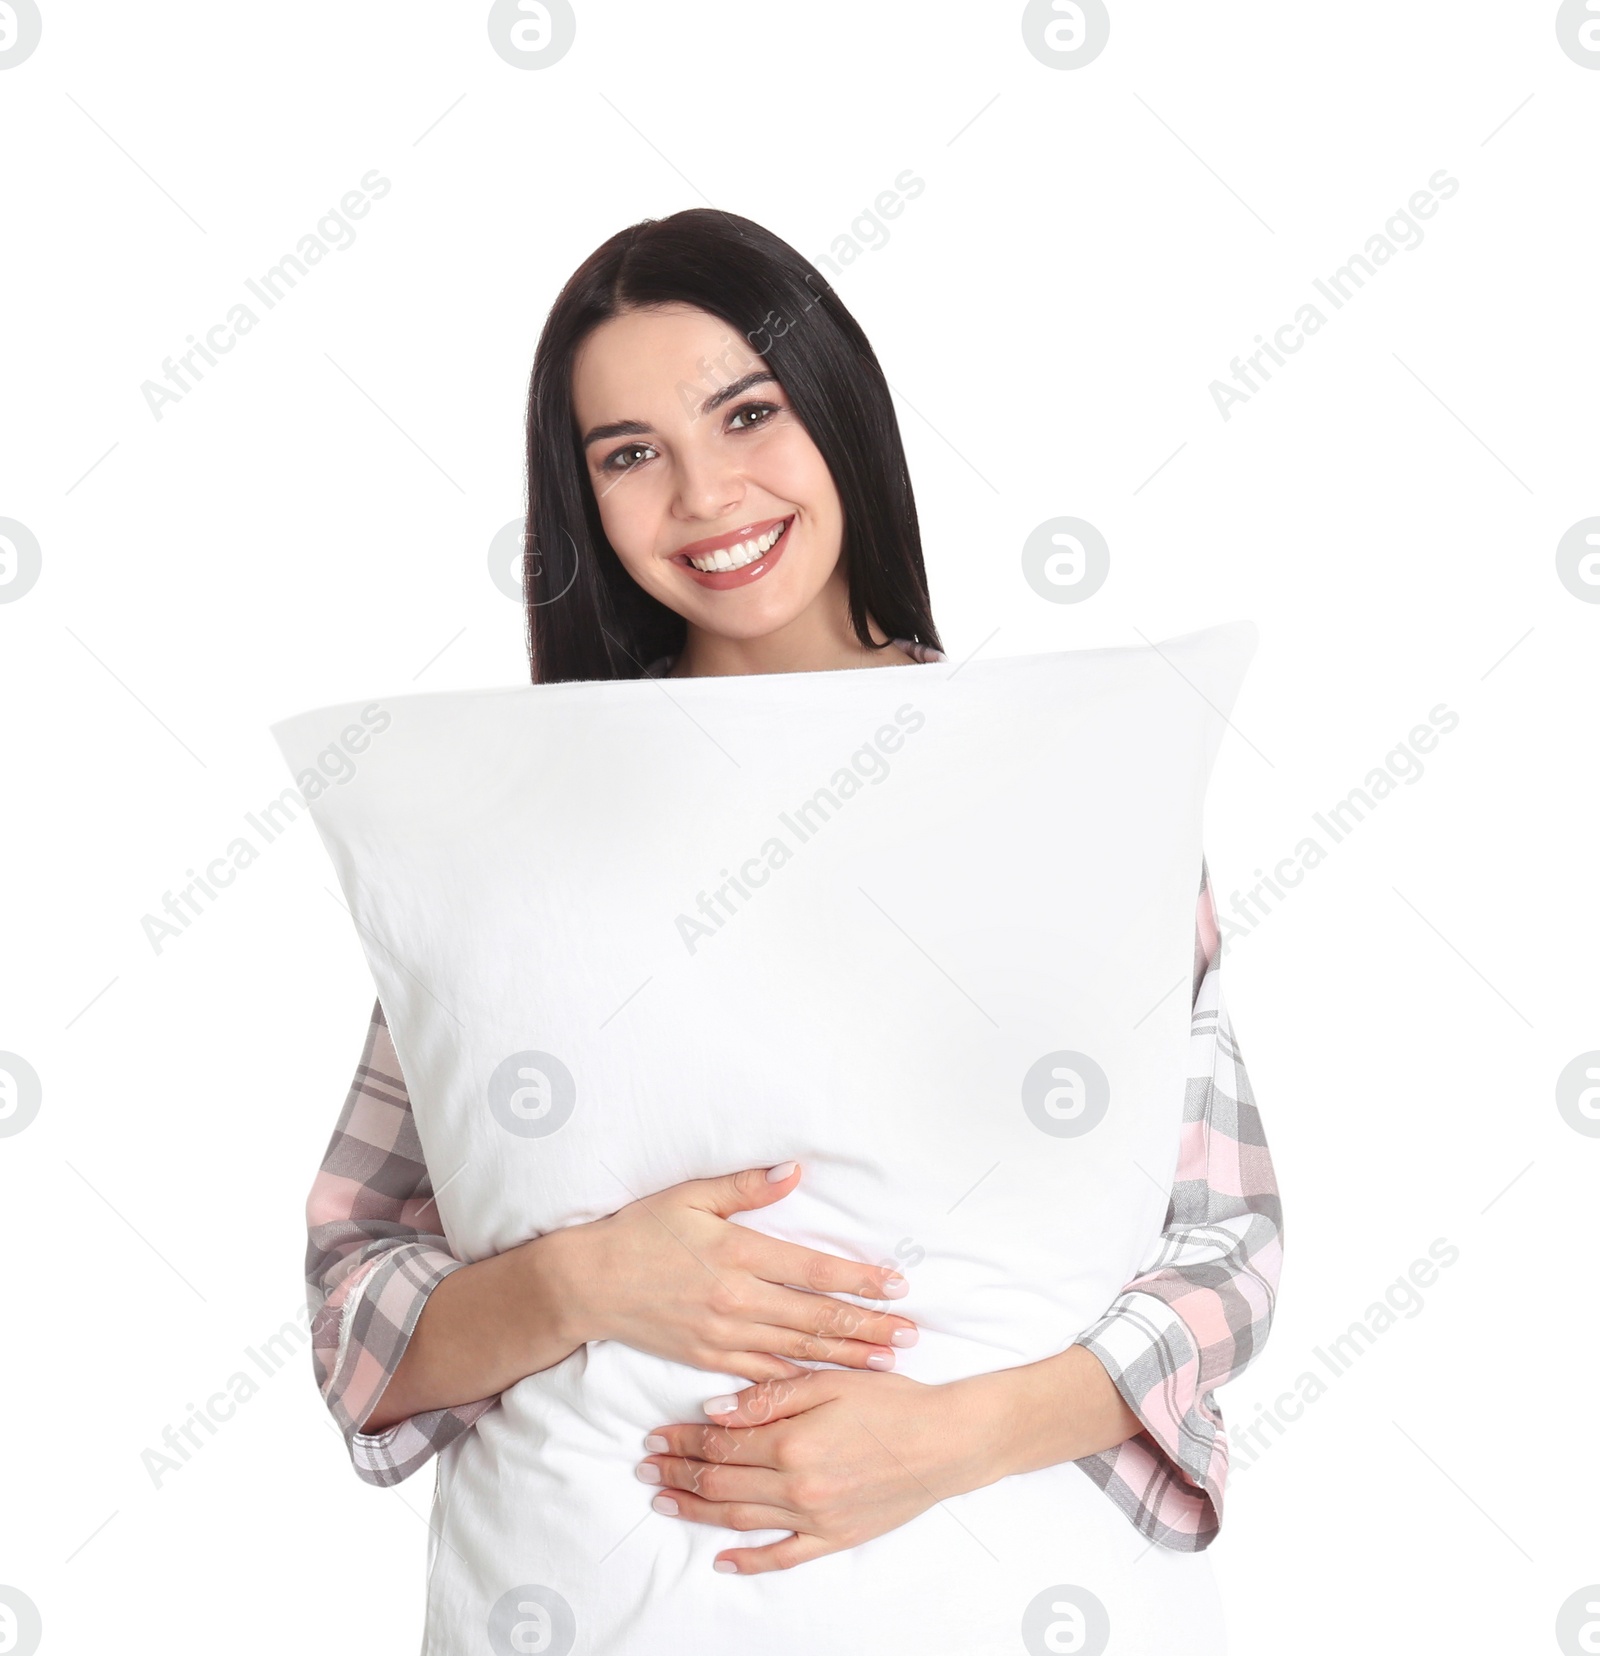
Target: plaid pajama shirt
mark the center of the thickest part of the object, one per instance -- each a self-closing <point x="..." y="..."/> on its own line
<point x="1191" y="1319"/>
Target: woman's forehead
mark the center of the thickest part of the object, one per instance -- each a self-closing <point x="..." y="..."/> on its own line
<point x="657" y="363"/>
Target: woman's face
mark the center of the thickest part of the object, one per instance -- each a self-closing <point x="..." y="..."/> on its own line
<point x="697" y="461"/>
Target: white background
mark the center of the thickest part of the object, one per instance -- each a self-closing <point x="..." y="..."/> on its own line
<point x="1092" y="249"/>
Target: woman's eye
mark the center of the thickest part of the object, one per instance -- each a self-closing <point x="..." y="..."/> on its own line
<point x="614" y="462"/>
<point x="765" y="409"/>
<point x="752" y="414"/>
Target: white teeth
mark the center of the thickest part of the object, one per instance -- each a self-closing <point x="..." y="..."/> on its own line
<point x="736" y="557"/>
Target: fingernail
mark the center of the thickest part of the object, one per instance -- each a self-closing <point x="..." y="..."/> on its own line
<point x="646" y="1473"/>
<point x="666" y="1504"/>
<point x="720" y="1405"/>
<point x="895" y="1286"/>
<point x="900" y="1337"/>
<point x="776" y="1175"/>
<point x="725" y="1566"/>
<point x="881" y="1360"/>
<point x="656" y="1444"/>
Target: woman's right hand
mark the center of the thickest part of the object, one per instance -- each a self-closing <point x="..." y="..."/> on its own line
<point x="672" y="1275"/>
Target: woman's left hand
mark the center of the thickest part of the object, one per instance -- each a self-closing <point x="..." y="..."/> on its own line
<point x="836" y="1455"/>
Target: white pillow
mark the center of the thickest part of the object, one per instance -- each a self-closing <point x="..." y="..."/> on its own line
<point x="926" y="929"/>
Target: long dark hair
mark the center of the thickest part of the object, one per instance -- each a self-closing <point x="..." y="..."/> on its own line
<point x="587" y="617"/>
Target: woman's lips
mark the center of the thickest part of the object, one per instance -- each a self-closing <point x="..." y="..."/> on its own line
<point x="719" y="580"/>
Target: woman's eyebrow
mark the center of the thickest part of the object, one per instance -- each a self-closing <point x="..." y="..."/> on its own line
<point x="761" y="376"/>
<point x="638" y="428"/>
<point x="617" y="428"/>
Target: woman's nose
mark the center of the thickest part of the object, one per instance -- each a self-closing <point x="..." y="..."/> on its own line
<point x="708" y="488"/>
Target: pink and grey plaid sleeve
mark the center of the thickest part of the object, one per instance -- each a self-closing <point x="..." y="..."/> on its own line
<point x="374" y="1254"/>
<point x="1201" y="1306"/>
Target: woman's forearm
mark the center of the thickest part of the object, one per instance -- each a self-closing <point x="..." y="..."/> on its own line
<point x="669" y="1275"/>
<point x="1040" y="1414"/>
<point x="482" y="1329"/>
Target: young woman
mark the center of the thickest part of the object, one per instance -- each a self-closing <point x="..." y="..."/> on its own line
<point x="717" y="486"/>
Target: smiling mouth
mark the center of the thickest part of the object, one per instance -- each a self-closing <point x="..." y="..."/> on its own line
<point x="727" y="558"/>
